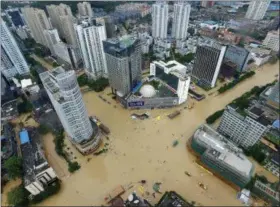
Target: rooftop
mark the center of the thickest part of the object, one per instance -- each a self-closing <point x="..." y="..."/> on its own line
<point x="172" y="199"/>
<point x="24" y="138"/>
<point x="256" y="110"/>
<point x="224" y="150"/>
<point x="34" y="161"/>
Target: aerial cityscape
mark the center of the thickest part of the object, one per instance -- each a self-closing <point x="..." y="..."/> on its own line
<point x="153" y="103"/>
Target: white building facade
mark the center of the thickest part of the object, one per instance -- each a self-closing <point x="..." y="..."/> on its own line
<point x="272" y="40"/>
<point x="37" y="22"/>
<point x="64" y="92"/>
<point x="52" y="38"/>
<point x="12" y="60"/>
<point x="257" y="9"/>
<point x="159" y="20"/>
<point x="84" y="9"/>
<point x="90" y="37"/>
<point x="181" y="20"/>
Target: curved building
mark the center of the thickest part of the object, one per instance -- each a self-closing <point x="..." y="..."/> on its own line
<point x="222" y="156"/>
<point x="65" y="95"/>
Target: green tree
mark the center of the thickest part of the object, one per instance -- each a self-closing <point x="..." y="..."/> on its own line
<point x="14" y="167"/>
<point x="43" y="129"/>
<point x="73" y="166"/>
<point x="212" y="118"/>
<point x="55" y="64"/>
<point x="273" y="59"/>
<point x="18" y="196"/>
<point x="82" y="80"/>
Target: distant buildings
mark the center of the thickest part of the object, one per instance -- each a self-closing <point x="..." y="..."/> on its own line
<point x="37" y="174"/>
<point x="207" y="4"/>
<point x="221" y="156"/>
<point x="159" y="20"/>
<point x="210" y="25"/>
<point x="207" y="64"/>
<point x="12" y="60"/>
<point x="272" y="40"/>
<point x="63" y="20"/>
<point x="257" y="9"/>
<point x="84" y="9"/>
<point x="124" y="63"/>
<point x="90" y="36"/>
<point x="271" y="96"/>
<point x="142" y="8"/>
<point x="180" y="20"/>
<point x="244" y="129"/>
<point x="37" y="21"/>
<point x="239" y="56"/>
<point x="65" y="95"/>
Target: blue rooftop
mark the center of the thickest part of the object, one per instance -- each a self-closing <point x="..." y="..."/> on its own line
<point x="276" y="124"/>
<point x="24" y="138"/>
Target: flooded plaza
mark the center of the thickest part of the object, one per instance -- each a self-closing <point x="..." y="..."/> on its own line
<point x="142" y="150"/>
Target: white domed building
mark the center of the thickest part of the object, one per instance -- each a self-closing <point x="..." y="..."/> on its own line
<point x="147" y="91"/>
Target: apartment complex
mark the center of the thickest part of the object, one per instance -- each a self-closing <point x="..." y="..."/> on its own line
<point x="64" y="93"/>
<point x="84" y="9"/>
<point x="62" y="19"/>
<point x="37" y="21"/>
<point x="257" y="9"/>
<point x="207" y="64"/>
<point x="52" y="38"/>
<point x="244" y="130"/>
<point x="159" y="20"/>
<point x="90" y="36"/>
<point x="124" y="63"/>
<point x="272" y="40"/>
<point x="12" y="60"/>
<point x="221" y="156"/>
<point x="181" y="20"/>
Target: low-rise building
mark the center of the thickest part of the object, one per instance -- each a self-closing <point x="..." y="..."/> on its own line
<point x="222" y="156"/>
<point x="37" y="172"/>
<point x="265" y="192"/>
<point x="260" y="59"/>
<point x="273" y="165"/>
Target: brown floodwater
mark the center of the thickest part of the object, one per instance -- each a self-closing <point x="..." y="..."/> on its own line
<point x="142" y="150"/>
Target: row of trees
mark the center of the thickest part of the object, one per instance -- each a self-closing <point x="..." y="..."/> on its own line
<point x="59" y="148"/>
<point x="25" y="106"/>
<point x="256" y="152"/>
<point x="230" y="85"/>
<point x="97" y="85"/>
<point x="213" y="117"/>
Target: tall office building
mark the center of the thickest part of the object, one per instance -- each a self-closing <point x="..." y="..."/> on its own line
<point x="12" y="60"/>
<point x="159" y="20"/>
<point x="90" y="36"/>
<point x="63" y="20"/>
<point x="52" y="38"/>
<point x="239" y="56"/>
<point x="181" y="20"/>
<point x="64" y="92"/>
<point x="257" y="9"/>
<point x="246" y="130"/>
<point x="272" y="40"/>
<point x="207" y="64"/>
<point x="37" y="22"/>
<point x="85" y="9"/>
<point x="124" y="64"/>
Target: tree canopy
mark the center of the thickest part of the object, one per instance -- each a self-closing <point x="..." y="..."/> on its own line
<point x="14" y="167"/>
<point x="18" y="196"/>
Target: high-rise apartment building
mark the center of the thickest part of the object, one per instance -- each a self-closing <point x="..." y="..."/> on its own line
<point x="37" y="22"/>
<point x="272" y="40"/>
<point x="85" y="9"/>
<point x="12" y="60"/>
<point x="64" y="92"/>
<point x="207" y="64"/>
<point x="246" y="130"/>
<point x="257" y="9"/>
<point x="124" y="64"/>
<point x="181" y="20"/>
<point x="52" y="38"/>
<point x="63" y="20"/>
<point x="90" y="36"/>
<point x="159" y="20"/>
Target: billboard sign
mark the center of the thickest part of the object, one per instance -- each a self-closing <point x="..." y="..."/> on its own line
<point x="135" y="103"/>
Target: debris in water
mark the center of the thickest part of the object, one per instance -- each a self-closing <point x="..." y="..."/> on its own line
<point x="175" y="143"/>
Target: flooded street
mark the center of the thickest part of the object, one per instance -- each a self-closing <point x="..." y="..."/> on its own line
<point x="142" y="150"/>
